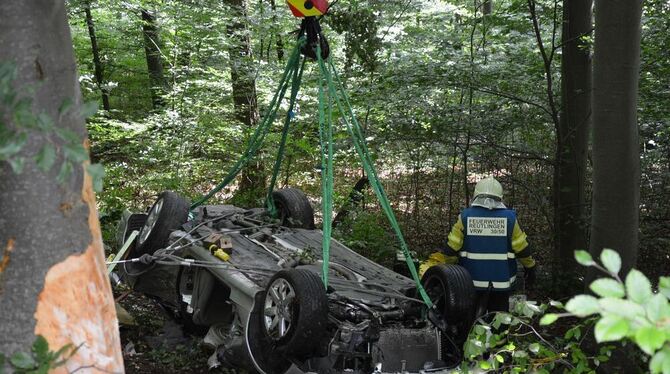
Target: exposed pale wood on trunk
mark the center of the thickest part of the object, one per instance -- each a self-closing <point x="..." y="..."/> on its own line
<point x="53" y="280"/>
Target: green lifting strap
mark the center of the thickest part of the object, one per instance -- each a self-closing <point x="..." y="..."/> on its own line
<point x="295" y="87"/>
<point x="335" y="92"/>
<point x="356" y="133"/>
<point x="326" y="140"/>
<point x="263" y="128"/>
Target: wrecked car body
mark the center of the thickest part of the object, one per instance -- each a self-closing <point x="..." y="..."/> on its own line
<point x="252" y="286"/>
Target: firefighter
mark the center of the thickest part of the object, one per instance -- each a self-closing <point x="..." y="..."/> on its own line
<point x="487" y="240"/>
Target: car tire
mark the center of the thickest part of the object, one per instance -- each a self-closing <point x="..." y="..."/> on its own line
<point x="295" y="312"/>
<point x="166" y="215"/>
<point x="451" y="289"/>
<point x="294" y="208"/>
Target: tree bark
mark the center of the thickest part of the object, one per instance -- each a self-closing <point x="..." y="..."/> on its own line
<point x="97" y="63"/>
<point x="573" y="136"/>
<point x="616" y="160"/>
<point x="252" y="182"/>
<point x="353" y="202"/>
<point x="280" y="43"/>
<point x="487" y="7"/>
<point x="154" y="60"/>
<point x="52" y="267"/>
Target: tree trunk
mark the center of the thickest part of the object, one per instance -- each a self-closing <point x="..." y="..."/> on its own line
<point x="154" y="60"/>
<point x="252" y="183"/>
<point x="52" y="267"/>
<point x="466" y="190"/>
<point x="353" y="202"/>
<point x="616" y="159"/>
<point x="487" y="7"/>
<point x="97" y="63"/>
<point x="280" y="43"/>
<point x="573" y="136"/>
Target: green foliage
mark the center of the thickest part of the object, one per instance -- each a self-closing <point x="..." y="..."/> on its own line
<point x="514" y="343"/>
<point x="17" y="109"/>
<point x="627" y="310"/>
<point x="369" y="234"/>
<point x="40" y="360"/>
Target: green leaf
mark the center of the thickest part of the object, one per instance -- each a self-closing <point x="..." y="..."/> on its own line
<point x="97" y="173"/>
<point x="484" y="365"/>
<point x="664" y="286"/>
<point x="611" y="260"/>
<point x="61" y="353"/>
<point x="660" y="363"/>
<point x="520" y="354"/>
<point x="649" y="338"/>
<point x="621" y="307"/>
<point x="43" y="369"/>
<point x="480" y="330"/>
<point x="2" y="355"/>
<point x="575" y="332"/>
<point x="75" y="152"/>
<point x="88" y="109"/>
<point x="65" y="106"/>
<point x="44" y="122"/>
<point x="534" y="348"/>
<point x="474" y="348"/>
<point x="582" y="305"/>
<point x="548" y="319"/>
<point x="68" y="135"/>
<point x="17" y="164"/>
<point x="22" y="360"/>
<point x="584" y="258"/>
<point x="12" y="146"/>
<point x="556" y="304"/>
<point x="41" y="348"/>
<point x="46" y="157"/>
<point x="658" y="308"/>
<point x="611" y="328"/>
<point x="607" y="287"/>
<point x="65" y="172"/>
<point x="638" y="287"/>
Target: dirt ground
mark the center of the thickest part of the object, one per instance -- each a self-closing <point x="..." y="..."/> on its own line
<point x="155" y="342"/>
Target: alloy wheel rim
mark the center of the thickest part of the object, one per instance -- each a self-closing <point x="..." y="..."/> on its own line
<point x="437" y="292"/>
<point x="151" y="221"/>
<point x="277" y="314"/>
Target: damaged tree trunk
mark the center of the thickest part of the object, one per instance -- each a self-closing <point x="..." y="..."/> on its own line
<point x="52" y="267"/>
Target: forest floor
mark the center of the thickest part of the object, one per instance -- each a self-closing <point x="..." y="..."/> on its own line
<point x="155" y="342"/>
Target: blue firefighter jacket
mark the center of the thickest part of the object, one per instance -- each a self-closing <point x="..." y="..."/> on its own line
<point x="487" y="243"/>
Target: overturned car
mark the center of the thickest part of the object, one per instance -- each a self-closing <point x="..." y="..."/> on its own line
<point x="251" y="285"/>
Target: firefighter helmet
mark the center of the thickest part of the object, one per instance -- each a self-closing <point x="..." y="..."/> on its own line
<point x="489" y="186"/>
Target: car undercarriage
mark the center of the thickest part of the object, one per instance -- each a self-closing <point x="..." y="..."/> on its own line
<point x="252" y="285"/>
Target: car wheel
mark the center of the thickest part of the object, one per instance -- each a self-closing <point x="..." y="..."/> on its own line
<point x="294" y="208"/>
<point x="295" y="312"/>
<point x="451" y="289"/>
<point x="166" y="215"/>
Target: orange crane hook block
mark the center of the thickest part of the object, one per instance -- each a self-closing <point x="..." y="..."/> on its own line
<point x="308" y="8"/>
